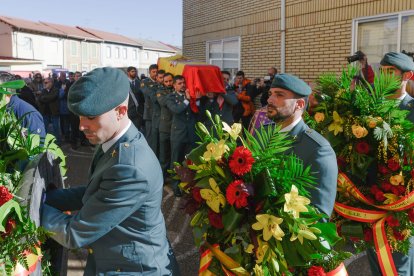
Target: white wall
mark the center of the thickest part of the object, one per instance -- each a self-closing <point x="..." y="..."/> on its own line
<point x="110" y="57"/>
<point x="48" y="49"/>
<point x="148" y="57"/>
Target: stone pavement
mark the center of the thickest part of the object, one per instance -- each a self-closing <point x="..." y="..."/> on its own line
<point x="177" y="222"/>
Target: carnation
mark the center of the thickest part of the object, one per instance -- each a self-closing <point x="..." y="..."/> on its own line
<point x="368" y="235"/>
<point x="398" y="235"/>
<point x="215" y="219"/>
<point x="362" y="147"/>
<point x="411" y="214"/>
<point x="392" y="221"/>
<point x="241" y="161"/>
<point x="5" y="195"/>
<point x="393" y="164"/>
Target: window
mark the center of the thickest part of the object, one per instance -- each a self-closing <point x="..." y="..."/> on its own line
<point x="116" y="52"/>
<point x="94" y="51"/>
<point x="224" y="53"/>
<point x="27" y="44"/>
<point x="85" y="68"/>
<point x="73" y="67"/>
<point x="124" y="53"/>
<point x="73" y="48"/>
<point x="53" y="47"/>
<point x="108" y="51"/>
<point x="378" y="35"/>
<point x="145" y="55"/>
<point x="134" y="54"/>
<point x="84" y="51"/>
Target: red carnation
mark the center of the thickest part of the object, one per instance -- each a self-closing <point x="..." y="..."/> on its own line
<point x="5" y="195"/>
<point x="393" y="164"/>
<point x="368" y="235"/>
<point x="374" y="189"/>
<point x="386" y="187"/>
<point x="379" y="196"/>
<point x="316" y="271"/>
<point x="392" y="221"/>
<point x="362" y="147"/>
<point x="398" y="236"/>
<point x="402" y="189"/>
<point x="196" y="194"/>
<point x="382" y="169"/>
<point x="237" y="193"/>
<point x="215" y="219"/>
<point x="241" y="161"/>
<point x="395" y="191"/>
<point x="411" y="214"/>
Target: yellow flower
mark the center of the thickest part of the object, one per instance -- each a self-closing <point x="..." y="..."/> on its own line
<point x="258" y="270"/>
<point x="249" y="248"/>
<point x="390" y="198"/>
<point x="304" y="232"/>
<point x="359" y="131"/>
<point x="397" y="180"/>
<point x="270" y="226"/>
<point x="263" y="249"/>
<point x="372" y="123"/>
<point x="336" y="125"/>
<point x="234" y="131"/>
<point x="215" y="151"/>
<point x="319" y="117"/>
<point x="295" y="203"/>
<point x="214" y="198"/>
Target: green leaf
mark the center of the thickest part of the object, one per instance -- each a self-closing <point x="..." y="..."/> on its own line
<point x="232" y="219"/>
<point x="6" y="209"/>
<point x="15" y="84"/>
<point x="328" y="232"/>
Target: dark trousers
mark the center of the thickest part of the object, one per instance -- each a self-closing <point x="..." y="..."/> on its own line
<point x="54" y="120"/>
<point x="74" y="125"/>
<point x="246" y="121"/>
<point x="148" y="128"/>
<point x="165" y="152"/>
<point x="65" y="125"/>
<point x="403" y="263"/>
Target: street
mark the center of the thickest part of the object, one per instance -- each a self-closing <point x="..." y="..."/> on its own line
<point x="177" y="222"/>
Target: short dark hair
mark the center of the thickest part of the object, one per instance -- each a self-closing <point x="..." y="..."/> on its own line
<point x="240" y="73"/>
<point x="153" y="66"/>
<point x="161" y="72"/>
<point x="130" y="68"/>
<point x="71" y="74"/>
<point x="6" y="77"/>
<point x="178" y="77"/>
<point x="226" y="72"/>
<point x="168" y="74"/>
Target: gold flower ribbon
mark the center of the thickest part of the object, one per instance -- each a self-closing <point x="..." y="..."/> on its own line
<point x="32" y="260"/>
<point x="376" y="217"/>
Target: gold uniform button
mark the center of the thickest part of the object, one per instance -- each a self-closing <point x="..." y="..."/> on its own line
<point x="126" y="145"/>
<point x="90" y="250"/>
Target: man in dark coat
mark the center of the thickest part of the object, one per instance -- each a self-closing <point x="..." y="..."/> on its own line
<point x="136" y="100"/>
<point x="49" y="107"/>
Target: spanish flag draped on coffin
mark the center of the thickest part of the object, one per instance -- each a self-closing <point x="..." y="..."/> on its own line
<point x="200" y="78"/>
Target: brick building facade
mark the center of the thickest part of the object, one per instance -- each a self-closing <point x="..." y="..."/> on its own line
<point x="319" y="34"/>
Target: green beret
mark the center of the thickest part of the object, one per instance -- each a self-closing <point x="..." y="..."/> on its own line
<point x="399" y="60"/>
<point x="99" y="91"/>
<point x="291" y="83"/>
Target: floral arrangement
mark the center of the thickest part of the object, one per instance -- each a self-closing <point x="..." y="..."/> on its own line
<point x="250" y="208"/>
<point x="20" y="238"/>
<point x="374" y="144"/>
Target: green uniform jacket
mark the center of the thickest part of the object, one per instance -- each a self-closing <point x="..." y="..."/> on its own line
<point x="119" y="216"/>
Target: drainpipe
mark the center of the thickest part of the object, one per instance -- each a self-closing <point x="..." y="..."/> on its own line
<point x="282" y="35"/>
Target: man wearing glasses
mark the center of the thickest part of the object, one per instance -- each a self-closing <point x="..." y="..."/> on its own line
<point x="49" y="107"/>
<point x="401" y="66"/>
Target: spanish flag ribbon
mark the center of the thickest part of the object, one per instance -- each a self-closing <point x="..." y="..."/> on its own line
<point x="32" y="260"/>
<point x="376" y="217"/>
<point x="339" y="271"/>
<point x="205" y="261"/>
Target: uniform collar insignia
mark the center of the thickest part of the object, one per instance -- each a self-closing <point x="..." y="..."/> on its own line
<point x="113" y="154"/>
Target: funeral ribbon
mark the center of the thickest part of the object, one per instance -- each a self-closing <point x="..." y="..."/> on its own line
<point x="339" y="271"/>
<point x="227" y="263"/>
<point x="376" y="217"/>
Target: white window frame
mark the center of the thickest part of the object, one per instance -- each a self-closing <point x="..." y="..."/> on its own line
<point x="74" y="48"/>
<point x="108" y="51"/>
<point x="238" y="38"/>
<point x="375" y="18"/>
<point x="117" y="53"/>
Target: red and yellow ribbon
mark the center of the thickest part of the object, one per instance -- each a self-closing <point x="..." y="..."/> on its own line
<point x="32" y="260"/>
<point x="376" y="217"/>
<point x="339" y="271"/>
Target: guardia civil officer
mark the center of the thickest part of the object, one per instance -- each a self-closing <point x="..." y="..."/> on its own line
<point x="119" y="211"/>
<point x="147" y="87"/>
<point x="402" y="66"/>
<point x="288" y="97"/>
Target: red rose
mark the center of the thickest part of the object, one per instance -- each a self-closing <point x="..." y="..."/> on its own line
<point x="236" y="194"/>
<point x="392" y="221"/>
<point x="382" y="169"/>
<point x="316" y="271"/>
<point x="362" y="147"/>
<point x="5" y="195"/>
<point x="374" y="189"/>
<point x="411" y="214"/>
<point x="393" y="164"/>
<point x="215" y="219"/>
<point x="386" y="187"/>
<point x="398" y="236"/>
<point x="395" y="191"/>
<point x="196" y="194"/>
<point x="241" y="161"/>
<point x="379" y="196"/>
<point x="368" y="235"/>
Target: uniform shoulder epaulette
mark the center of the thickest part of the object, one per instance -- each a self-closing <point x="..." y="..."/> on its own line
<point x="126" y="153"/>
<point x="316" y="137"/>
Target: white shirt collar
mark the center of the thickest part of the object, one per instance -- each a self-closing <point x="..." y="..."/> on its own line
<point x="291" y="126"/>
<point x="402" y="96"/>
<point x="108" y="144"/>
